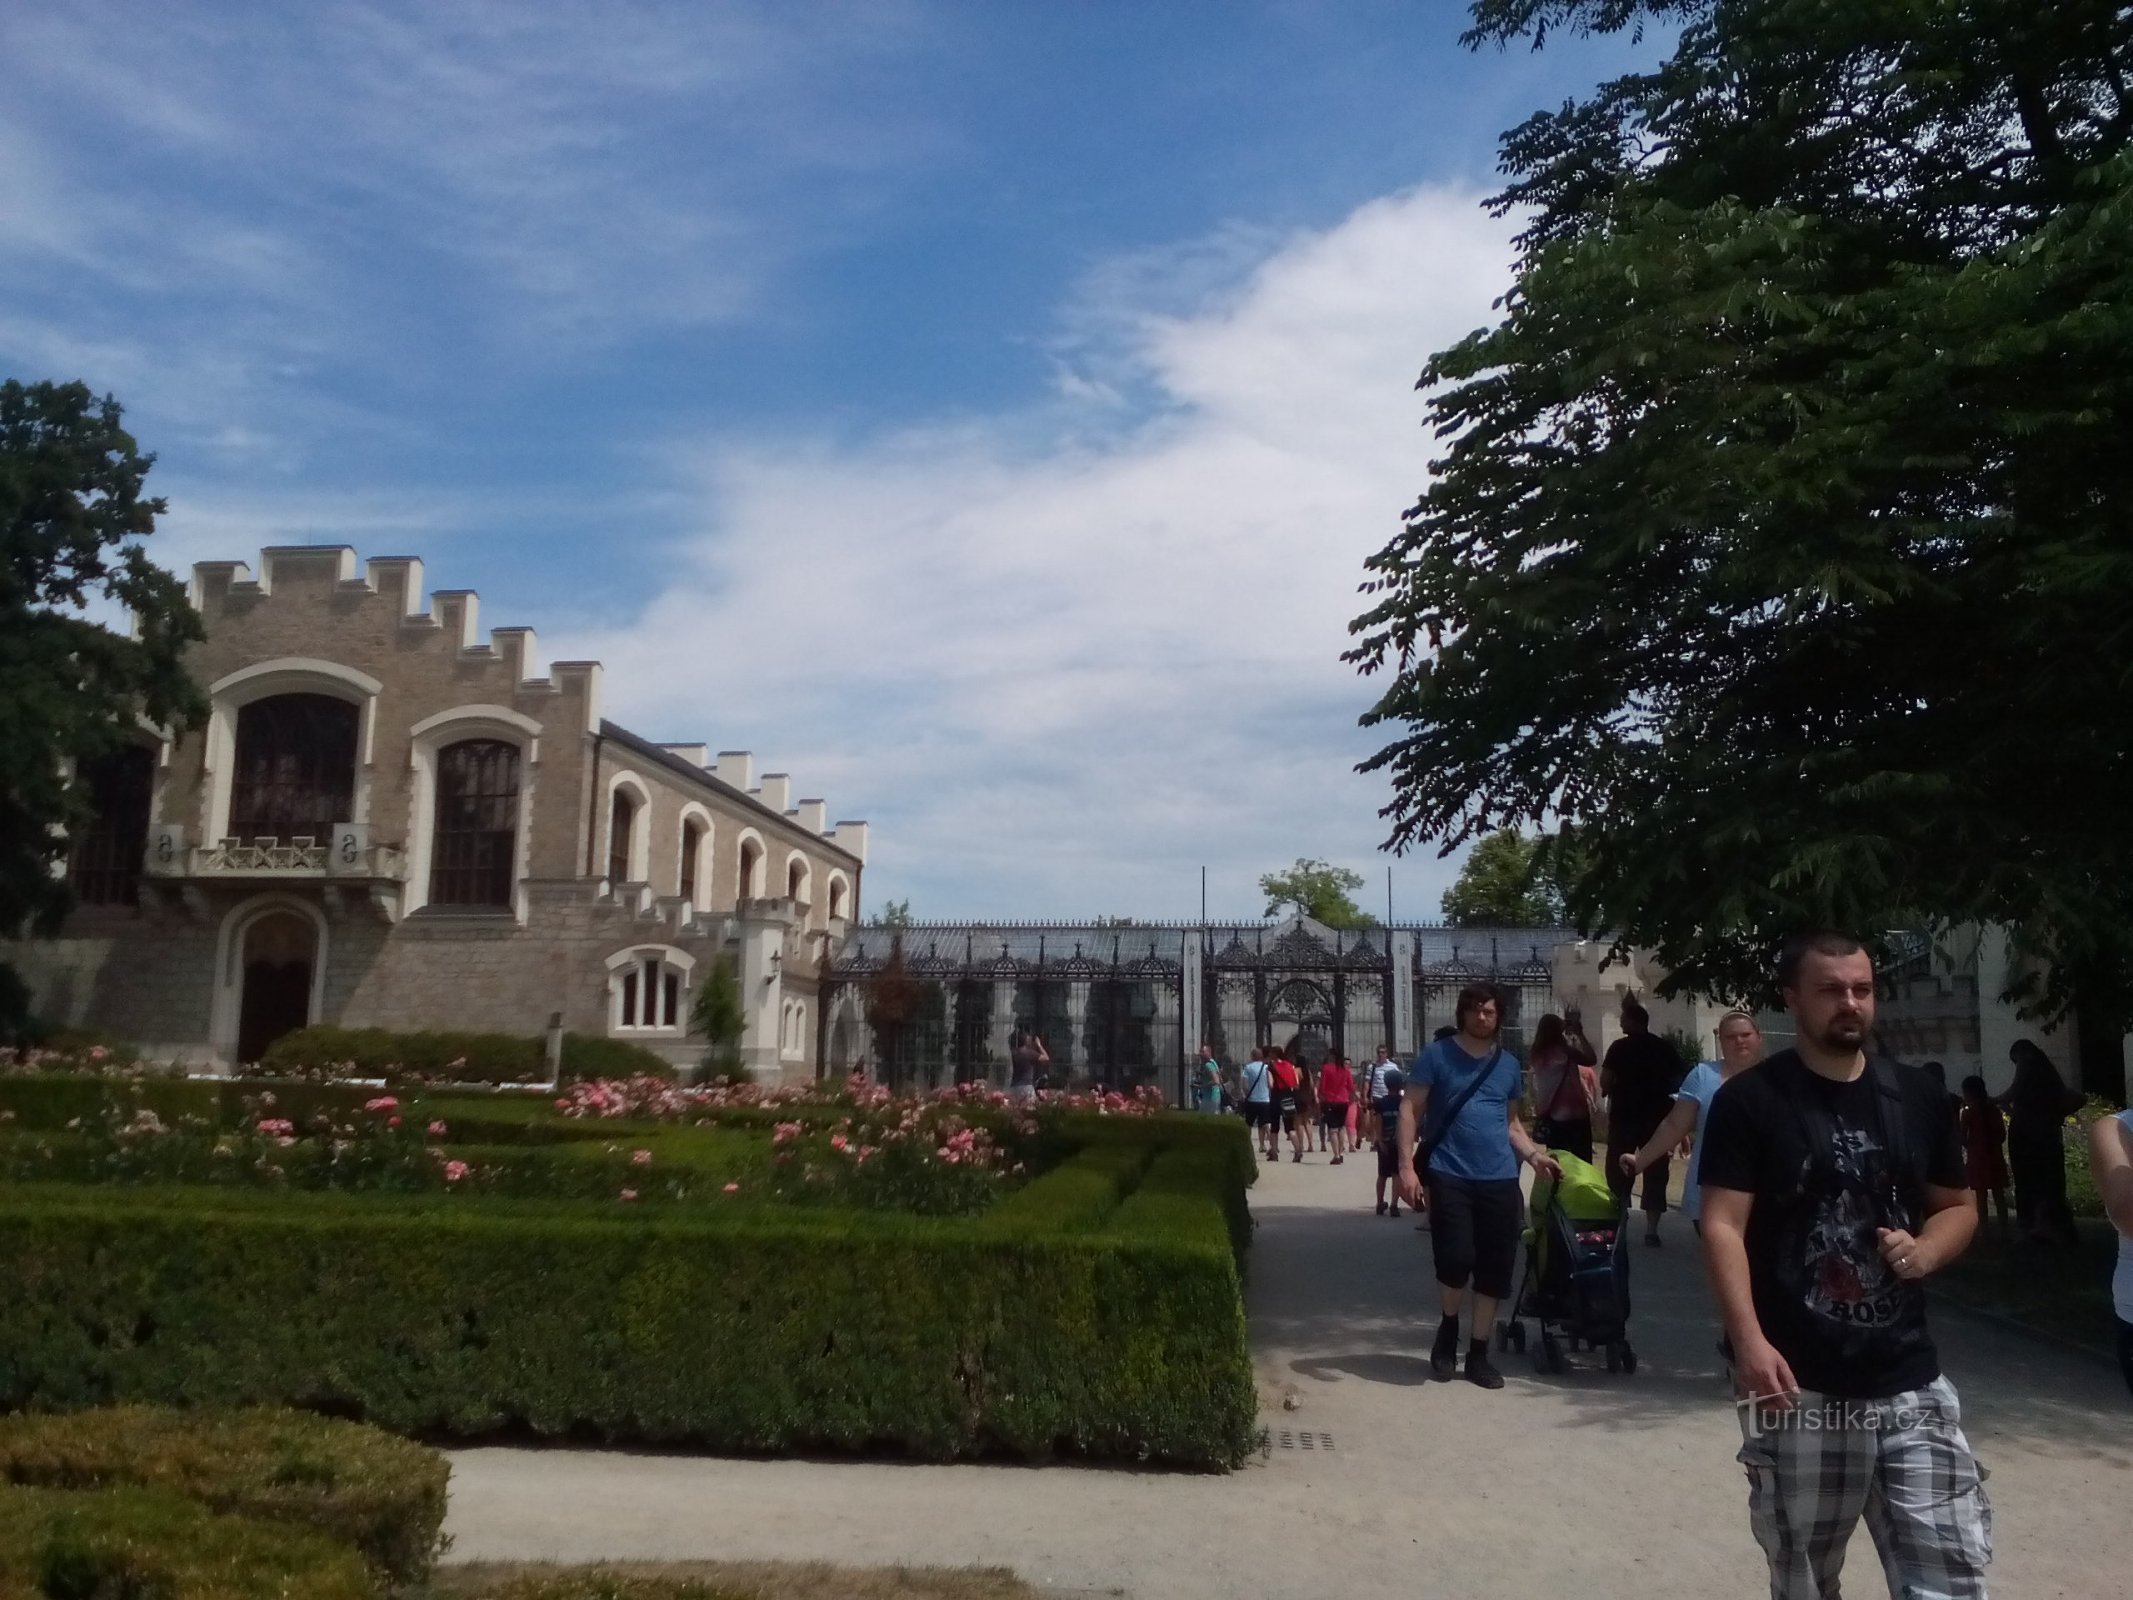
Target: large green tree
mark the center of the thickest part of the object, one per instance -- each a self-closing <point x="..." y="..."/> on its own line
<point x="1501" y="884"/>
<point x="71" y="517"/>
<point x="1319" y="890"/>
<point x="1782" y="540"/>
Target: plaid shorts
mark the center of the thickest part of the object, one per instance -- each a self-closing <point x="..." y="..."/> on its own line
<point x="1901" y="1462"/>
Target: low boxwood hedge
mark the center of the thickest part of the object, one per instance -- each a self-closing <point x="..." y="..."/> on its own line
<point x="1042" y="1326"/>
<point x="413" y="1058"/>
<point x="138" y="1544"/>
<point x="383" y="1495"/>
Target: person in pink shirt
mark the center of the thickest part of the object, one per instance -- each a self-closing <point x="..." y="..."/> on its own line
<point x="1336" y="1103"/>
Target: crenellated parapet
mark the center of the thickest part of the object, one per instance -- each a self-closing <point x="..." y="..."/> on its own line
<point x="326" y="596"/>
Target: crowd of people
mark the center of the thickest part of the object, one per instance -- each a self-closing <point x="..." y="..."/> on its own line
<point x="1823" y="1184"/>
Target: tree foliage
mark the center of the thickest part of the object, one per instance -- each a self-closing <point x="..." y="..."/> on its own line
<point x="893" y="914"/>
<point x="1780" y="542"/>
<point x="1320" y="891"/>
<point x="71" y="515"/>
<point x="720" y="1014"/>
<point x="1502" y="884"/>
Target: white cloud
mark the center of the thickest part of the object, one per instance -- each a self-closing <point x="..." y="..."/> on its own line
<point x="1060" y="661"/>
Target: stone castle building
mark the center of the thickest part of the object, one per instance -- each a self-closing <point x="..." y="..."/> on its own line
<point x="393" y="820"/>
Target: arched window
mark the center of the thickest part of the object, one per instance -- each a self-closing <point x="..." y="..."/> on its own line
<point x="295" y="767"/>
<point x="105" y="866"/>
<point x="750" y="885"/>
<point x="475" y="861"/>
<point x="649" y="989"/>
<point x="796" y="881"/>
<point x="621" y="823"/>
<point x="840" y="897"/>
<point x="692" y="847"/>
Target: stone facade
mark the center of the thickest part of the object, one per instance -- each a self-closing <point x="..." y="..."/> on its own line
<point x="612" y="869"/>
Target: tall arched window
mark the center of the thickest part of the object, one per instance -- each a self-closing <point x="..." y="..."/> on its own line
<point x="840" y="898"/>
<point x="796" y="881"/>
<point x="621" y="821"/>
<point x="295" y="767"/>
<point x="475" y="860"/>
<point x="750" y="886"/>
<point x="692" y="846"/>
<point x="105" y="866"/>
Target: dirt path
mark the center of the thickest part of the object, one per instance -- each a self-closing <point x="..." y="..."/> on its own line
<point x="1387" y="1482"/>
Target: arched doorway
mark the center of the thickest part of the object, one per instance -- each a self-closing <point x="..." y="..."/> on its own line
<point x="279" y="958"/>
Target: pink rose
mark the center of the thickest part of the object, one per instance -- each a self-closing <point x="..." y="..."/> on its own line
<point x="383" y="1102"/>
<point x="640" y="1158"/>
<point x="629" y="1194"/>
<point x="732" y="1188"/>
<point x="437" y="1130"/>
<point x="392" y="1122"/>
<point x="454" y="1171"/>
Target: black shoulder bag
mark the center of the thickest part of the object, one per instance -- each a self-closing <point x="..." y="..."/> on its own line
<point x="1426" y="1148"/>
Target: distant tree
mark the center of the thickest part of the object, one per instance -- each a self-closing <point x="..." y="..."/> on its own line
<point x="1501" y="885"/>
<point x="720" y="1014"/>
<point x="1319" y="890"/>
<point x="71" y="516"/>
<point x="893" y="914"/>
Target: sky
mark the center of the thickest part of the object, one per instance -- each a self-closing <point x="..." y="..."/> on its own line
<point x="979" y="411"/>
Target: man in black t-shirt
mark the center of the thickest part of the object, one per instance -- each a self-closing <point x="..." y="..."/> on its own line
<point x="1640" y="1075"/>
<point x="1832" y="1184"/>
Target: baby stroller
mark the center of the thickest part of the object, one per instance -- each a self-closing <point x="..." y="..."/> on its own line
<point x="1576" y="1283"/>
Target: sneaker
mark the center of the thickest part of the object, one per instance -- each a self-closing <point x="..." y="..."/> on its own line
<point x="1480" y="1370"/>
<point x="1444" y="1352"/>
<point x="1381" y="1208"/>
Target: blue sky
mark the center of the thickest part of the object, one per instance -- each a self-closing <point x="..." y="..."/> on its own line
<point x="979" y="411"/>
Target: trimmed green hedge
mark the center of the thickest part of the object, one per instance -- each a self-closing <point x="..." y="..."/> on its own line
<point x="383" y="1495"/>
<point x="135" y="1544"/>
<point x="409" y="1058"/>
<point x="1097" y="1312"/>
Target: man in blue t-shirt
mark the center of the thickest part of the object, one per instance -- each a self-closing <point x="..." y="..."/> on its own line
<point x="1460" y="1104"/>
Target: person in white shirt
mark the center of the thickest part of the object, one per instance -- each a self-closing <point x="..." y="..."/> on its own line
<point x="2111" y="1160"/>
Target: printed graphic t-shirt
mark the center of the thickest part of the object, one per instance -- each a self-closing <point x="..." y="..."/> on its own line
<point x="1477" y="1145"/>
<point x="1828" y="1164"/>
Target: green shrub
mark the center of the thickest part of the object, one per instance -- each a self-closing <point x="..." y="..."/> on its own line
<point x="135" y="1544"/>
<point x="382" y="1495"/>
<point x="404" y="1059"/>
<point x="2082" y="1193"/>
<point x="754" y="1329"/>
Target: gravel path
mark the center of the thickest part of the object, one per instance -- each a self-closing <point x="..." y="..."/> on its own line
<point x="1602" y="1486"/>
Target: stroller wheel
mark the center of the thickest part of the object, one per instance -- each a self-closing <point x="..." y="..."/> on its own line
<point x="1518" y="1337"/>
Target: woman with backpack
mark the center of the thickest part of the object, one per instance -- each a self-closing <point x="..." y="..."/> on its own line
<point x="1565" y="1086"/>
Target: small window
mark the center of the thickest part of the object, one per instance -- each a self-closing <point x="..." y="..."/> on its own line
<point x="621" y="825"/>
<point x="692" y="844"/>
<point x="751" y="876"/>
<point x="837" y="906"/>
<point x="796" y="882"/>
<point x="648" y="995"/>
<point x="105" y="867"/>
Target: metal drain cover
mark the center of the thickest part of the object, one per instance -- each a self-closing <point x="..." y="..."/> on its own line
<point x="1292" y="1439"/>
